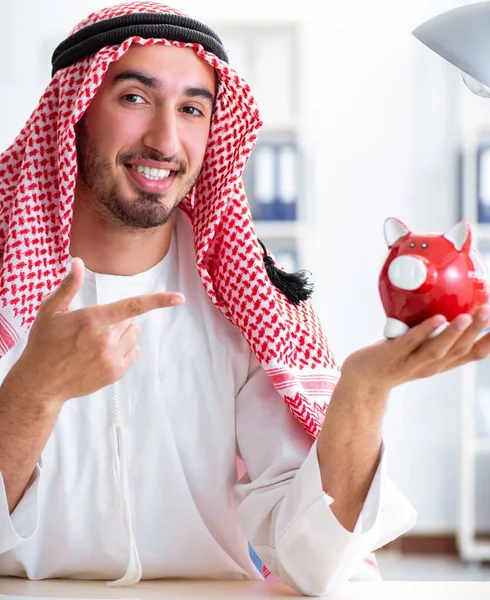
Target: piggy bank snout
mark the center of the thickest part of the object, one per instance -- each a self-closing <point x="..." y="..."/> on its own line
<point x="408" y="272"/>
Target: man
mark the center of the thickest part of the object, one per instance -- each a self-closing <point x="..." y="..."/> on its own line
<point x="123" y="410"/>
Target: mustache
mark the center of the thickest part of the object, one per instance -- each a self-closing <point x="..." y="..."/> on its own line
<point x="149" y="154"/>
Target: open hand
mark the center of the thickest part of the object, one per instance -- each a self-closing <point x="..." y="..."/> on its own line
<point x="416" y="355"/>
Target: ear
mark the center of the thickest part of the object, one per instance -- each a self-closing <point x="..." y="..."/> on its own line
<point x="394" y="230"/>
<point x="459" y="234"/>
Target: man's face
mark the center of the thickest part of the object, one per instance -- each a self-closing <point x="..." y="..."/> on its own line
<point x="142" y="141"/>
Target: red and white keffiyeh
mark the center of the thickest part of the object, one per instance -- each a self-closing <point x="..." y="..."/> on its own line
<point x="37" y="182"/>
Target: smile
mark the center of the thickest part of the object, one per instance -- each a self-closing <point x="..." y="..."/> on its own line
<point x="151" y="179"/>
<point x="151" y="172"/>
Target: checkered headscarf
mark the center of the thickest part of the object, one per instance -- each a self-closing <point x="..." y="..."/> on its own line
<point x="37" y="181"/>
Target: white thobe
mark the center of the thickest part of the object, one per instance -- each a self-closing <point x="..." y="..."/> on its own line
<point x="194" y="400"/>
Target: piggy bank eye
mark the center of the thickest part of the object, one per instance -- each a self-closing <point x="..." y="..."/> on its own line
<point x="424" y="245"/>
<point x="412" y="245"/>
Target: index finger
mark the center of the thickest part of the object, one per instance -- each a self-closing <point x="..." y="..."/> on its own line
<point x="136" y="306"/>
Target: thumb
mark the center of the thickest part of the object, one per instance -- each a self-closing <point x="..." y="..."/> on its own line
<point x="61" y="298"/>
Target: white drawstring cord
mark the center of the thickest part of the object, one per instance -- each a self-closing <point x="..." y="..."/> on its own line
<point x="134" y="570"/>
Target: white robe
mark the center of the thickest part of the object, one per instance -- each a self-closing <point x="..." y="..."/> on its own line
<point x="195" y="399"/>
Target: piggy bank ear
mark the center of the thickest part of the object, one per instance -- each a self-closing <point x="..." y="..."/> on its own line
<point x="394" y="230"/>
<point x="459" y="234"/>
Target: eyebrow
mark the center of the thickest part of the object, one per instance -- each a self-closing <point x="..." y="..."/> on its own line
<point x="156" y="84"/>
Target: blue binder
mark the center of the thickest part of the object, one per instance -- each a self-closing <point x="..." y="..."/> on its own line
<point x="275" y="181"/>
<point x="483" y="183"/>
<point x="264" y="182"/>
<point x="287" y="176"/>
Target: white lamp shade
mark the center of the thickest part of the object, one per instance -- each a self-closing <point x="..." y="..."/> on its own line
<point x="462" y="37"/>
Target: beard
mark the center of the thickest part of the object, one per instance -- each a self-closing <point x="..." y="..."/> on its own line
<point x="143" y="210"/>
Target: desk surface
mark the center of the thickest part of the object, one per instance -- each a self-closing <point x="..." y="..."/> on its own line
<point x="171" y="590"/>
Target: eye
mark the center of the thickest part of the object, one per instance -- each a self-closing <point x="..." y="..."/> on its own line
<point x="134" y="99"/>
<point x="412" y="245"/>
<point x="424" y="245"/>
<point x="193" y="111"/>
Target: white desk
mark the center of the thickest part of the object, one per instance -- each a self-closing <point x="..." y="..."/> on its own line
<point x="170" y="590"/>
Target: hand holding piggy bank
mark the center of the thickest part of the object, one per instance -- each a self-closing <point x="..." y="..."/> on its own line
<point x="426" y="274"/>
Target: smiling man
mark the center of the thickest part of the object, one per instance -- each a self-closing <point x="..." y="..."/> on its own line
<point x="146" y="342"/>
<point x="140" y="145"/>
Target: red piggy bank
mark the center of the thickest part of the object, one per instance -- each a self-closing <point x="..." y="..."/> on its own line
<point x="426" y="274"/>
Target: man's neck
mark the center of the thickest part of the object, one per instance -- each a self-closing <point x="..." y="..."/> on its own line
<point x="114" y="250"/>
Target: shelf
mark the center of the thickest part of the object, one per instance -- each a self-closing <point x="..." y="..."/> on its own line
<point x="474" y="449"/>
<point x="279" y="131"/>
<point x="279" y="229"/>
<point x="477" y="550"/>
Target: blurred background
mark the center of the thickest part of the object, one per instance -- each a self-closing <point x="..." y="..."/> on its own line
<point x="361" y="122"/>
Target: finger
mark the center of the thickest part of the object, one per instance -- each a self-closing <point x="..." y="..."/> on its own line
<point x="479" y="351"/>
<point x="117" y="329"/>
<point x="482" y="314"/>
<point x="416" y="336"/>
<point x="129" y="338"/>
<point x="62" y="297"/>
<point x="465" y="343"/>
<point x="441" y="347"/>
<point x="136" y="306"/>
<point x="130" y="357"/>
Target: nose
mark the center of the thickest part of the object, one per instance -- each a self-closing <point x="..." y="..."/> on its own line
<point x="407" y="272"/>
<point x="162" y="133"/>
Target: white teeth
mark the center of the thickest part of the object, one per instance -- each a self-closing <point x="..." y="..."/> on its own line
<point x="151" y="172"/>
